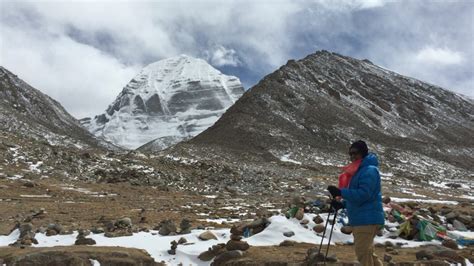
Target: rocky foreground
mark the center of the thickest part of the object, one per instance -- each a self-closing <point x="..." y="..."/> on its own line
<point x="224" y="228"/>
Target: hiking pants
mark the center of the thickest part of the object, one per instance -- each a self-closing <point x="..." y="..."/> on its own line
<point x="364" y="244"/>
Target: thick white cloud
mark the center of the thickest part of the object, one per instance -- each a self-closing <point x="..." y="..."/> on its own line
<point x="83" y="52"/>
<point x="221" y="56"/>
<point x="443" y="56"/>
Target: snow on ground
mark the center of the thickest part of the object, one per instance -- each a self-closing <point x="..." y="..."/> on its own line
<point x="157" y="245"/>
<point x="286" y="158"/>
<point x="424" y="200"/>
<point x="36" y="196"/>
<point x="220" y="220"/>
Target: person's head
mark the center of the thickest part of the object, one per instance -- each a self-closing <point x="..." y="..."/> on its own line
<point x="358" y="150"/>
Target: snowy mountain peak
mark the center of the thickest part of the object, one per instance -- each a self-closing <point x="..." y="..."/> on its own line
<point x="169" y="100"/>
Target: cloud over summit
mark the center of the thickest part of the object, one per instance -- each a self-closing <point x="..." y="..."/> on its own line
<point x="82" y="53"/>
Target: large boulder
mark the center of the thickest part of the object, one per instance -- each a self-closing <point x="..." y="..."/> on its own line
<point x="207" y="235"/>
<point x="237" y="245"/>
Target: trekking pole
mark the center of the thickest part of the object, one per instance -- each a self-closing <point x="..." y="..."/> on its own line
<point x="324" y="232"/>
<point x="330" y="234"/>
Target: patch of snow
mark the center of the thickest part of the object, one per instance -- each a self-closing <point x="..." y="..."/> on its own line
<point x="425" y="201"/>
<point x="286" y="158"/>
<point x="36" y="196"/>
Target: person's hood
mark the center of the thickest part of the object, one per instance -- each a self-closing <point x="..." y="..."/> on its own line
<point x="370" y="159"/>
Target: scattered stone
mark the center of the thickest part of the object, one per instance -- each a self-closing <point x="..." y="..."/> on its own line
<point x="118" y="233"/>
<point x="424" y="255"/>
<point x="459" y="225"/>
<point x="97" y="230"/>
<point x="235" y="237"/>
<point x="318" y="219"/>
<point x="167" y="227"/>
<point x="182" y="240"/>
<point x="84" y="241"/>
<point x="304" y="221"/>
<point x="29" y="183"/>
<point x="287" y="243"/>
<point x="319" y="228"/>
<point x="125" y="222"/>
<point x="207" y="235"/>
<point x="449" y="243"/>
<point x="387" y="258"/>
<point x="346" y="229"/>
<point x="53" y="229"/>
<point x="237" y="245"/>
<point x="185" y="226"/>
<point x="451" y="256"/>
<point x="289" y="233"/>
<point x="212" y="252"/>
<point x="174" y="246"/>
<point x="226" y="256"/>
<point x="451" y="216"/>
<point x="386" y="200"/>
<point x="299" y="214"/>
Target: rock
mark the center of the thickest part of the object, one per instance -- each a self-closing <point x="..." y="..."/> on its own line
<point x="453" y="185"/>
<point x="258" y="223"/>
<point x="387" y="258"/>
<point x="450" y="255"/>
<point x="97" y="230"/>
<point x="237" y="230"/>
<point x="289" y="233"/>
<point x="304" y="221"/>
<point x="393" y="252"/>
<point x="449" y="243"/>
<point x="182" y="240"/>
<point x="459" y="226"/>
<point x="319" y="228"/>
<point x="346" y="229"/>
<point x="451" y="216"/>
<point x="167" y="227"/>
<point x="207" y="235"/>
<point x="389" y="244"/>
<point x="235" y="237"/>
<point x="29" y="184"/>
<point x="386" y="200"/>
<point x="174" y="246"/>
<point x="84" y="241"/>
<point x="212" y="252"/>
<point x="55" y="227"/>
<point x="465" y="219"/>
<point x="287" y="243"/>
<point x="226" y="256"/>
<point x="50" y="232"/>
<point x="118" y="233"/>
<point x="299" y="214"/>
<point x="424" y="255"/>
<point x="185" y="226"/>
<point x="25" y="229"/>
<point x="331" y="258"/>
<point x="125" y="222"/>
<point x="237" y="245"/>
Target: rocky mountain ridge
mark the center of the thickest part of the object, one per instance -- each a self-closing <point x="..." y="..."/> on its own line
<point x="307" y="113"/>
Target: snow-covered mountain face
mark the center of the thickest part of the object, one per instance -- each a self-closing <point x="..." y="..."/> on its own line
<point x="27" y="112"/>
<point x="167" y="102"/>
<point x="309" y="111"/>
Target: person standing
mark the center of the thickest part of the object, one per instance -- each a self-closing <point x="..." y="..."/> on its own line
<point x="363" y="201"/>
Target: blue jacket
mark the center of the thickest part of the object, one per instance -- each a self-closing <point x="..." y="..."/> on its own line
<point x="363" y="197"/>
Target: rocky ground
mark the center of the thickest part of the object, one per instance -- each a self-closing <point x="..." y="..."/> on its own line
<point x="53" y="207"/>
<point x="52" y="192"/>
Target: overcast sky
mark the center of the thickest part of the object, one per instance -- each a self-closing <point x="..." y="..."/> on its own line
<point x="82" y="53"/>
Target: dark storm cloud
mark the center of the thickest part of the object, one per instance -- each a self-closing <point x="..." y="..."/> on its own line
<point x="72" y="50"/>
